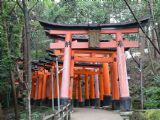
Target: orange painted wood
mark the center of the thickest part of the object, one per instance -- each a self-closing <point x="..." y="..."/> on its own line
<point x="72" y="78"/>
<point x="103" y="31"/>
<point x="96" y="79"/>
<point x="82" y="45"/>
<point x="34" y="80"/>
<point x="122" y="69"/>
<point x="115" y="82"/>
<point x="66" y="71"/>
<point x="84" y="72"/>
<point x="106" y="78"/>
<point x="93" y="59"/>
<point x="86" y="51"/>
<point x="92" y="88"/>
<point x="48" y="86"/>
<point x="33" y="88"/>
<point x="86" y="87"/>
<point x="50" y="89"/>
<point x="101" y="86"/>
<point x="40" y="82"/>
<point x="44" y="85"/>
<point x="60" y="80"/>
<point x="80" y="91"/>
<point x="74" y="88"/>
<point x="55" y="88"/>
<point x="77" y="93"/>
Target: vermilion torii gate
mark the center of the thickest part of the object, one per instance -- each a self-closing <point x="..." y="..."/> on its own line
<point x="100" y="56"/>
<point x="69" y="45"/>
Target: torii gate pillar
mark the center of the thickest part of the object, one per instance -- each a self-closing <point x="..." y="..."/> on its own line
<point x="87" y="102"/>
<point x="115" y="85"/>
<point x="66" y="70"/>
<point x="125" y="100"/>
<point x="107" y="85"/>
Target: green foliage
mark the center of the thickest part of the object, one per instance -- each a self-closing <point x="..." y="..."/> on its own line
<point x="137" y="116"/>
<point x="37" y="113"/>
<point x="35" y="116"/>
<point x="10" y="41"/>
<point x="146" y="115"/>
<point x="152" y="93"/>
<point x="152" y="115"/>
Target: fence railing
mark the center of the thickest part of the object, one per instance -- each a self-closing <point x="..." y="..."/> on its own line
<point x="63" y="114"/>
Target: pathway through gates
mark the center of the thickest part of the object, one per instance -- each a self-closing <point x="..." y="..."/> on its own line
<point x="94" y="114"/>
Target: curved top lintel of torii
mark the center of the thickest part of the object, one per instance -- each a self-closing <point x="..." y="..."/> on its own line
<point x="56" y="26"/>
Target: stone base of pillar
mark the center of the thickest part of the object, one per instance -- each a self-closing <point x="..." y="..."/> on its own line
<point x="92" y="102"/>
<point x="32" y="101"/>
<point x="101" y="103"/>
<point x="75" y="103"/>
<point x="64" y="101"/>
<point x="107" y="100"/>
<point x="49" y="103"/>
<point x="55" y="102"/>
<point x="116" y="104"/>
<point x="81" y="104"/>
<point x="38" y="102"/>
<point x="97" y="101"/>
<point x="87" y="102"/>
<point x="125" y="104"/>
<point x="44" y="102"/>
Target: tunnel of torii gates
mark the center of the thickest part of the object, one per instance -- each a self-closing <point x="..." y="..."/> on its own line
<point x="92" y="70"/>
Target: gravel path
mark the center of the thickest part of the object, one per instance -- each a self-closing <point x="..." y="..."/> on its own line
<point x="94" y="114"/>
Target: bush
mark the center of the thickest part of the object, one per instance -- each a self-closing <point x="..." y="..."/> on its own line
<point x="137" y="116"/>
<point x="146" y="115"/>
<point x="152" y="115"/>
<point x="152" y="93"/>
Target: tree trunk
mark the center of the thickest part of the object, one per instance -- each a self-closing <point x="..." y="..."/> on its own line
<point x="14" y="95"/>
<point x="27" y="58"/>
<point x="152" y="26"/>
<point x="1" y="113"/>
<point x="150" y="54"/>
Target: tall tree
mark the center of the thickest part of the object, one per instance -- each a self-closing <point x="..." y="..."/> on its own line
<point x="153" y="29"/>
<point x="27" y="56"/>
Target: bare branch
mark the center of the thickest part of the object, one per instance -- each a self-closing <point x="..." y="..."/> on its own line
<point x="134" y="59"/>
<point x="33" y="6"/>
<point x="12" y="9"/>
<point x="19" y="5"/>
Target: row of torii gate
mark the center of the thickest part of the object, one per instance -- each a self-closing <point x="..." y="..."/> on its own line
<point x="88" y="69"/>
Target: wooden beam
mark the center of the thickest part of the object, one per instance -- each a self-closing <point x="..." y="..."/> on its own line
<point x="103" y="31"/>
<point x="84" y="72"/>
<point x="83" y="45"/>
<point x="93" y="59"/>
